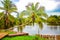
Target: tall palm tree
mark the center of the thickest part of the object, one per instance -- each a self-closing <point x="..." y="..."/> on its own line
<point x="8" y="8"/>
<point x="36" y="13"/>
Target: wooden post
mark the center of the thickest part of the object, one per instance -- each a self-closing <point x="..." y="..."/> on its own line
<point x="57" y="37"/>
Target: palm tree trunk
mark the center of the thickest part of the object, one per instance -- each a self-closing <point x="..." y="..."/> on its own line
<point x="20" y="29"/>
<point x="33" y="20"/>
<point x="6" y="20"/>
<point x="33" y="17"/>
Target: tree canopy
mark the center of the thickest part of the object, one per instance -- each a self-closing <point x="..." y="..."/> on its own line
<point x="6" y="18"/>
<point x="53" y="20"/>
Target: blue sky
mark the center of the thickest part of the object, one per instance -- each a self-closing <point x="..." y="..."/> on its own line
<point x="15" y="0"/>
<point x="57" y="9"/>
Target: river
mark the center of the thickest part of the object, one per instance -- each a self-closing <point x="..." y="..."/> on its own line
<point x="47" y="30"/>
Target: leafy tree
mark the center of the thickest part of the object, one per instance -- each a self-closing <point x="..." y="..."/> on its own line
<point x="35" y="13"/>
<point x="53" y="20"/>
<point x="8" y="8"/>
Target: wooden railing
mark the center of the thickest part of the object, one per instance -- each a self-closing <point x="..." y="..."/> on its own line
<point x="51" y="37"/>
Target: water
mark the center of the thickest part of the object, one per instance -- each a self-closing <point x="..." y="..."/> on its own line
<point x="47" y="30"/>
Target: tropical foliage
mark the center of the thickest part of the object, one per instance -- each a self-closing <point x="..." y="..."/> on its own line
<point x="21" y="22"/>
<point x="35" y="13"/>
<point x="53" y="20"/>
<point x="6" y="19"/>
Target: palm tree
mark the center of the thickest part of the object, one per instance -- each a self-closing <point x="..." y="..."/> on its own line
<point x="8" y="8"/>
<point x="20" y="22"/>
<point x="36" y="13"/>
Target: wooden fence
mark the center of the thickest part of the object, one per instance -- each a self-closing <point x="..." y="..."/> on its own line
<point x="51" y="37"/>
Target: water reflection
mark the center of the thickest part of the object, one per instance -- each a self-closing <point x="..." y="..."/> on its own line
<point x="55" y="30"/>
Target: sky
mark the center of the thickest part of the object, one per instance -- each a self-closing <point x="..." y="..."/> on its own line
<point x="51" y="6"/>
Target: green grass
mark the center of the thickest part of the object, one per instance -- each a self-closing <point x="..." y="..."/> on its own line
<point x="23" y="38"/>
<point x="11" y="32"/>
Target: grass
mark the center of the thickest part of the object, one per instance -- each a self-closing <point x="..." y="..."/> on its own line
<point x="24" y="38"/>
<point x="11" y="32"/>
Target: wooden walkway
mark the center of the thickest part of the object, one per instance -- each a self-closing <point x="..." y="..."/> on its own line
<point x="3" y="35"/>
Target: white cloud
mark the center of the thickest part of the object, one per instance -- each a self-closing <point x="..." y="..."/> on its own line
<point x="49" y="4"/>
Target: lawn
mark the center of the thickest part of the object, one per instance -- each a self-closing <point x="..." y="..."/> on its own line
<point x="23" y="38"/>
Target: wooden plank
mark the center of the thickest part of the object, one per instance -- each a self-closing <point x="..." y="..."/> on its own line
<point x="3" y="34"/>
<point x="18" y="34"/>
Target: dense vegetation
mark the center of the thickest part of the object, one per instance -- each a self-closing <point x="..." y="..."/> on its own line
<point x="6" y="19"/>
<point x="53" y="20"/>
<point x="34" y="12"/>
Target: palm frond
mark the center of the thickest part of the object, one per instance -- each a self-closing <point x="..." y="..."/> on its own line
<point x="1" y="15"/>
<point x="28" y="8"/>
<point x="36" y="5"/>
<point x="41" y="12"/>
<point x="32" y="7"/>
<point x="43" y="20"/>
<point x="11" y="18"/>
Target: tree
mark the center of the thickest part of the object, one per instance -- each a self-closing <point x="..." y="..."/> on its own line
<point x="21" y="22"/>
<point x="35" y="13"/>
<point x="8" y="8"/>
<point x="59" y="20"/>
<point x="53" y="20"/>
